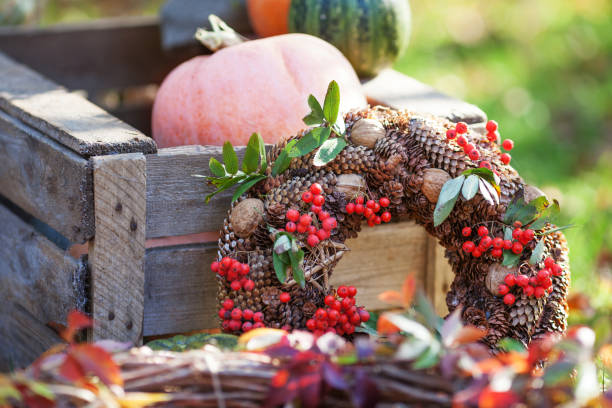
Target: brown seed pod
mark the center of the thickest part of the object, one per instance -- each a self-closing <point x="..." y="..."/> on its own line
<point x="350" y="184"/>
<point x="496" y="275"/>
<point x="246" y="216"/>
<point x="366" y="132"/>
<point x="433" y="180"/>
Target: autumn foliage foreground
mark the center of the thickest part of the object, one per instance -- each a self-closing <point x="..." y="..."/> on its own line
<point x="409" y="355"/>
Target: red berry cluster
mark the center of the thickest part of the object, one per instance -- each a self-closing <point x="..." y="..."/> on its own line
<point x="235" y="319"/>
<point x="235" y="272"/>
<point x="507" y="144"/>
<point x="520" y="238"/>
<point x="537" y="286"/>
<point x="341" y="316"/>
<point x="302" y="223"/>
<point x="370" y="210"/>
<point x="457" y="134"/>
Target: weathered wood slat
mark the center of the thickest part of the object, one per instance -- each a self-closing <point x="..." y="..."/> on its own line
<point x="396" y="90"/>
<point x="104" y="54"/>
<point x="66" y="117"/>
<point x="46" y="179"/>
<point x="438" y="275"/>
<point x="39" y="283"/>
<point x="116" y="255"/>
<point x="175" y="198"/>
<point x="181" y="291"/>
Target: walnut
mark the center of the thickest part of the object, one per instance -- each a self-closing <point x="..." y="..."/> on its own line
<point x="246" y="216"/>
<point x="350" y="184"/>
<point x="433" y="180"/>
<point x="496" y="275"/>
<point x="366" y="132"/>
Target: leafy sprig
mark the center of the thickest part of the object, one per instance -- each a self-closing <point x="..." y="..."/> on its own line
<point x="326" y="120"/>
<point x="468" y="184"/>
<point x="227" y="175"/>
<point x="287" y="254"/>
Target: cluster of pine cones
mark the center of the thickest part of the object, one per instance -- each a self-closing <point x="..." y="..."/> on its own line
<point x="395" y="160"/>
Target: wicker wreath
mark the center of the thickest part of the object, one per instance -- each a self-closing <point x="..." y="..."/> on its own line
<point x="406" y="158"/>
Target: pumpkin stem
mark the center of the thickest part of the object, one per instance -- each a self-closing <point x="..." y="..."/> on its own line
<point x="221" y="35"/>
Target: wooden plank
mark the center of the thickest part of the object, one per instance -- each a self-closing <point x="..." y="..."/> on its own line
<point x="116" y="255"/>
<point x="181" y="292"/>
<point x="438" y="276"/>
<point x="46" y="179"/>
<point x="175" y="198"/>
<point x="66" y="117"/>
<point x="396" y="90"/>
<point x="39" y="283"/>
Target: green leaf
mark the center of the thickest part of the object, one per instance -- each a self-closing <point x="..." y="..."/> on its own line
<point x="558" y="373"/>
<point x="548" y="214"/>
<point x="485" y="174"/>
<point x="332" y="102"/>
<point x="510" y="259"/>
<point x="296" y="256"/>
<point x="262" y="153"/>
<point x="216" y="167"/>
<point x="316" y="116"/>
<point x="310" y="141"/>
<point x="537" y="253"/>
<point x="446" y="201"/>
<point x="246" y="185"/>
<point x="280" y="267"/>
<point x="339" y="127"/>
<point x="224" y="185"/>
<point x="229" y="158"/>
<point x="470" y="187"/>
<point x="251" y="155"/>
<point x="283" y="160"/>
<point x="518" y="210"/>
<point x="508" y="233"/>
<point x="282" y="243"/>
<point x="429" y="358"/>
<point x="328" y="151"/>
<point x="509" y="344"/>
<point x="426" y="309"/>
<point x="541" y="203"/>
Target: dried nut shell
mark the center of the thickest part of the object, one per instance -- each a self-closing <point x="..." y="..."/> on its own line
<point x="246" y="216"/>
<point x="366" y="132"/>
<point x="350" y="184"/>
<point x="433" y="180"/>
<point x="496" y="275"/>
<point x="531" y="193"/>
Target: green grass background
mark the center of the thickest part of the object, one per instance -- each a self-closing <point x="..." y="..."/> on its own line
<point x="541" y="68"/>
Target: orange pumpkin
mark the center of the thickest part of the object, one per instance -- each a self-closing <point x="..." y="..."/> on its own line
<point x="257" y="86"/>
<point x="269" y="17"/>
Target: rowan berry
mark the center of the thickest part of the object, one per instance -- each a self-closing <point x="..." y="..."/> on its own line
<point x="549" y="262"/>
<point x="529" y="290"/>
<point x="311" y="324"/>
<point x="258" y="317"/>
<point x="322" y="234"/>
<point x="474" y="155"/>
<point x="461" y="127"/>
<point x="376" y="207"/>
<point x="517" y="224"/>
<point x="236" y="314"/>
<point x="245" y="269"/>
<point x="542" y="275"/>
<point x="249" y="285"/>
<point x="311" y="230"/>
<point x="451" y="134"/>
<point x="497" y="253"/>
<point x="509" y="299"/>
<point x="482" y="231"/>
<point x="355" y="319"/>
<point x="307" y="196"/>
<point x="498" y="243"/>
<point x="377" y="220"/>
<point x="507" y="244"/>
<point x="476" y="253"/>
<point x="371" y="222"/>
<point x="316" y="188"/>
<point x="293" y="215"/>
<point x="342" y="291"/>
<point x="235" y="285"/>
<point x="485" y="164"/>
<point x="343" y="319"/>
<point x="320" y="314"/>
<point x="557" y="270"/>
<point x="486" y="242"/>
<point x="466" y="231"/>
<point x="359" y="200"/>
<point x="323" y="215"/>
<point x="321" y="324"/>
<point x="346" y="303"/>
<point x="546" y="283"/>
<point x="505" y="158"/>
<point x="461" y="141"/>
<point x="284" y="297"/>
<point x="364" y="315"/>
<point x="492" y="136"/>
<point x="533" y="281"/>
<point x="214" y="266"/>
<point x="370" y="204"/>
<point x="330" y="223"/>
<point x="527" y="236"/>
<point x="522" y="280"/>
<point x="246" y="326"/>
<point x="539" y="292"/>
<point x="517" y="248"/>
<point x="316" y="208"/>
<point x="468" y="148"/>
<point x="368" y="213"/>
<point x="318" y="200"/>
<point x="228" y="304"/>
<point x="301" y="228"/>
<point x="508" y="144"/>
<point x="225" y="325"/>
<point x="222" y="313"/>
<point x="352" y="291"/>
<point x="385" y="216"/>
<point x="350" y="208"/>
<point x="290" y="226"/>
<point x="491" y="126"/>
<point x="359" y="209"/>
<point x="258" y="325"/>
<point x="337" y="305"/>
<point x="510" y="280"/>
<point x="235" y="325"/>
<point x="516" y="234"/>
<point x="468" y="246"/>
<point x="226" y="263"/>
<point x="351" y="329"/>
<point x="305" y="220"/>
<point x="333" y="315"/>
<point x="384" y="202"/>
<point x="502" y="289"/>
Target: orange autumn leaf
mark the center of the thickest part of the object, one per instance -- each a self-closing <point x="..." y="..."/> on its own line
<point x="76" y="321"/>
<point x="469" y="334"/>
<point x="403" y="298"/>
<point x="72" y="370"/>
<point x="391" y="297"/>
<point x="489" y="365"/>
<point x="97" y="361"/>
<point x="494" y="399"/>
<point x="384" y="325"/>
<point x="518" y="361"/>
<point x="605" y="353"/>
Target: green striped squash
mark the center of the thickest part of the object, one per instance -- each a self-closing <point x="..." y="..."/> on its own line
<point x="370" y="33"/>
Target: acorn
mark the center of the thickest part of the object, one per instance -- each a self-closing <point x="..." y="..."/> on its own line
<point x="433" y="180"/>
<point x="246" y="216"/>
<point x="366" y="132"/>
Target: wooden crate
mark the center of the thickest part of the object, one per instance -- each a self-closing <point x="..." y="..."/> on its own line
<point x="74" y="174"/>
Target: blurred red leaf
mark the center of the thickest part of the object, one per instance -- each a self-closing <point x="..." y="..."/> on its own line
<point x="76" y="321"/>
<point x="391" y="297"/>
<point x="95" y="360"/>
<point x="72" y="370"/>
<point x="32" y="399"/>
<point x="540" y="349"/>
<point x="384" y="326"/>
<point x="469" y="334"/>
<point x="494" y="399"/>
<point x="579" y="302"/>
<point x="518" y="361"/>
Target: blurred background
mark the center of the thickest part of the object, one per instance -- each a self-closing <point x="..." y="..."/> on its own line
<point x="541" y="68"/>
